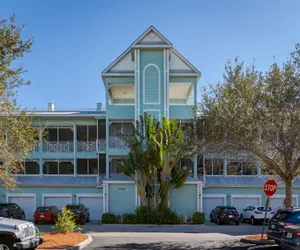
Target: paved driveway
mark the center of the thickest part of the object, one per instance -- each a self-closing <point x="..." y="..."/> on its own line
<point x="169" y="241"/>
<point x="243" y="229"/>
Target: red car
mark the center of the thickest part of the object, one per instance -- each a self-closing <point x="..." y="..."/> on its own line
<point x="46" y="214"/>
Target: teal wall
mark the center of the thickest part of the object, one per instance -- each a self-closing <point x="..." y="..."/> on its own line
<point x="53" y="190"/>
<point x="181" y="112"/>
<point x="121" y="198"/>
<point x="184" y="200"/>
<point x="151" y="80"/>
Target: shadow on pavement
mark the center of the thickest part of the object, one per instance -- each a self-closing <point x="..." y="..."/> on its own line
<point x="174" y="246"/>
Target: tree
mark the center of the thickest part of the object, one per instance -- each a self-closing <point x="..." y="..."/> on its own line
<point x="17" y="135"/>
<point x="258" y="113"/>
<point x="154" y="151"/>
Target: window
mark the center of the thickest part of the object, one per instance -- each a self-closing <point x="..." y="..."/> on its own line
<point x="214" y="166"/>
<point x="58" y="168"/>
<point x="50" y="167"/>
<point x="58" y="134"/>
<point x="32" y="167"/>
<point x="113" y="166"/>
<point x="188" y="163"/>
<point x="241" y="168"/>
<point x="87" y="166"/>
<point x="66" y="168"/>
<point x="87" y="133"/>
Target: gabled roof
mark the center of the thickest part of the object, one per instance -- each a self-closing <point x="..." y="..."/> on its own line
<point x="151" y="38"/>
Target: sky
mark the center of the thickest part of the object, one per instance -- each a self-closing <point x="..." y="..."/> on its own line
<point x="75" y="40"/>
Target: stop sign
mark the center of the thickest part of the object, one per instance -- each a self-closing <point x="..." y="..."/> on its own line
<point x="270" y="187"/>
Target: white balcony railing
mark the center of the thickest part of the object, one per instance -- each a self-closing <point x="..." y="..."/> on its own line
<point x="86" y="146"/>
<point x="61" y="146"/>
<point x="101" y="144"/>
<point x="36" y="148"/>
<point x="117" y="142"/>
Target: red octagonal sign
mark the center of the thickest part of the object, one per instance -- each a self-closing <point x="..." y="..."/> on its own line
<point x="270" y="187"/>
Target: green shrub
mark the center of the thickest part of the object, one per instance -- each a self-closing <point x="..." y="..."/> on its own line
<point x="110" y="218"/>
<point x="66" y="222"/>
<point x="129" y="219"/>
<point x="145" y="215"/>
<point x="198" y="218"/>
<point x="171" y="217"/>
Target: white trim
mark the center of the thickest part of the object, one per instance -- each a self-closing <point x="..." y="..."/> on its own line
<point x="88" y="196"/>
<point x="167" y="85"/>
<point x="116" y="182"/>
<point x="216" y="196"/>
<point x="197" y="198"/>
<point x="53" y="195"/>
<point x="135" y="87"/>
<point x="193" y="182"/>
<point x="139" y="84"/>
<point x="104" y="200"/>
<point x="144" y="95"/>
<point x="184" y="74"/>
<point x="154" y="110"/>
<point x="151" y="46"/>
<point x="245" y="196"/>
<point x="165" y="105"/>
<point x="187" y="62"/>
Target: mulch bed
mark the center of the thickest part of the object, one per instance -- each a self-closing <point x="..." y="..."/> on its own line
<point x="62" y="240"/>
<point x="256" y="237"/>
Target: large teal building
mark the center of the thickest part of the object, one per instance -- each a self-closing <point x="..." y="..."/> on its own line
<point x="77" y="161"/>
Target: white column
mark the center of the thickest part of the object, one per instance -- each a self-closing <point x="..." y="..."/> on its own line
<point x="75" y="148"/>
<point x="198" y="198"/>
<point x="195" y="167"/>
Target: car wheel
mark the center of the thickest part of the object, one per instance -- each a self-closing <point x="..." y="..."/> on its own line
<point x="218" y="221"/>
<point x="7" y="243"/>
<point x="36" y="222"/>
<point x="241" y="218"/>
<point x="252" y="221"/>
<point x="237" y="222"/>
<point x="88" y="219"/>
<point x="82" y="221"/>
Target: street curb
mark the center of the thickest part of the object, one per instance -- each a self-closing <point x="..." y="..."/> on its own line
<point x="155" y="225"/>
<point x="77" y="247"/>
<point x="258" y="242"/>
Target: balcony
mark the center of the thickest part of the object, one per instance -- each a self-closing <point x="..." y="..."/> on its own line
<point x="117" y="142"/>
<point x="91" y="146"/>
<point x="58" y="147"/>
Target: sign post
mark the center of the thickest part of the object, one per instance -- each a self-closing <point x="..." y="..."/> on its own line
<point x="270" y="189"/>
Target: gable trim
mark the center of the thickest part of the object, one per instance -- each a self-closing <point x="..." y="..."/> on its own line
<point x="153" y="29"/>
<point x="186" y="61"/>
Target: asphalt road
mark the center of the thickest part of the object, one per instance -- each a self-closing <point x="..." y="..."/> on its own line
<point x="169" y="241"/>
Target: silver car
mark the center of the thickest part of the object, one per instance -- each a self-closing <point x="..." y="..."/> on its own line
<point x="18" y="234"/>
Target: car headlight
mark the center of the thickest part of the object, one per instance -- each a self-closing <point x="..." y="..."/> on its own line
<point x="21" y="232"/>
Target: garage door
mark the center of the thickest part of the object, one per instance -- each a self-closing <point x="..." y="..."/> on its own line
<point x="59" y="202"/>
<point x="242" y="202"/>
<point x="25" y="202"/>
<point x="210" y="203"/>
<point x="94" y="204"/>
<point x="277" y="203"/>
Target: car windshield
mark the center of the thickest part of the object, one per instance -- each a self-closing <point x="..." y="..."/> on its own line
<point x="282" y="215"/>
<point x="44" y="209"/>
<point x="262" y="209"/>
<point x="73" y="208"/>
<point x="228" y="209"/>
<point x="3" y="206"/>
